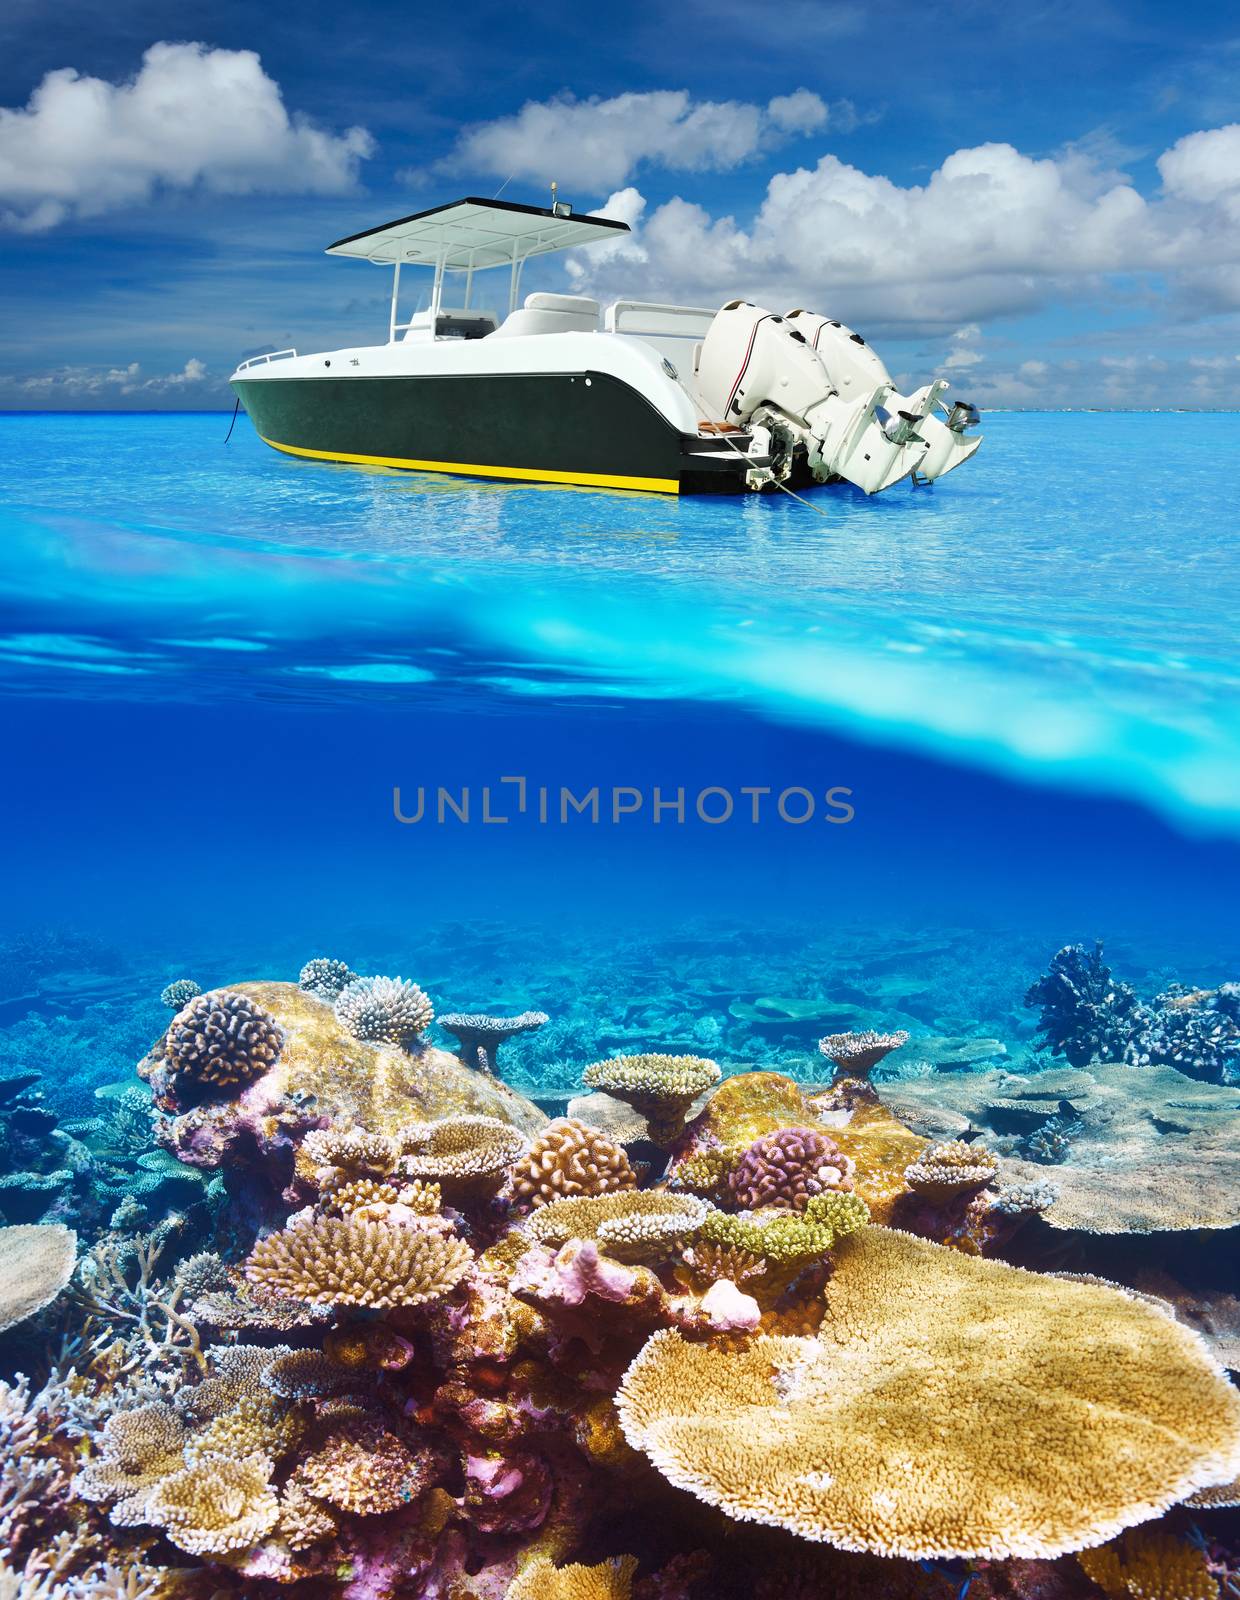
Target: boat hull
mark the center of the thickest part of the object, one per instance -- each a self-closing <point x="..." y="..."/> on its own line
<point x="587" y="428"/>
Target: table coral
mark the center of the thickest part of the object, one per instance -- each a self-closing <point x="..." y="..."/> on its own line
<point x="36" y="1263"/>
<point x="661" y="1088"/>
<point x="218" y="1505"/>
<point x="479" y="1037"/>
<point x="855" y="1055"/>
<point x="543" y="1580"/>
<point x="343" y="1262"/>
<point x="569" y="1158"/>
<point x="949" y="1169"/>
<point x="469" y="1153"/>
<point x="1149" y="1564"/>
<point x="786" y="1167"/>
<point x="639" y="1225"/>
<point x="222" y="1040"/>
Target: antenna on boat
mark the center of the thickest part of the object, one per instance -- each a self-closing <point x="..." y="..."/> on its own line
<point x="559" y="208"/>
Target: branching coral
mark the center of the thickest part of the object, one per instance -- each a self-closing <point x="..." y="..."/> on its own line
<point x="952" y="1407"/>
<point x="356" y="1152"/>
<point x="661" y="1088"/>
<point x="786" y="1168"/>
<point x="467" y="1152"/>
<point x="325" y="977"/>
<point x="711" y="1263"/>
<point x="385" y="1011"/>
<point x="217" y="1505"/>
<point x="543" y="1580"/>
<point x="1150" y="1564"/>
<point x="221" y="1040"/>
<point x="479" y="1037"/>
<point x="569" y="1158"/>
<point x="179" y="993"/>
<point x="36" y="1262"/>
<point x="344" y="1262"/>
<point x="137" y="1450"/>
<point x="788" y="1240"/>
<point x="638" y="1225"/>
<point x="1085" y="1013"/>
<point x="1196" y="1031"/>
<point x="949" y="1169"/>
<point x="855" y="1055"/>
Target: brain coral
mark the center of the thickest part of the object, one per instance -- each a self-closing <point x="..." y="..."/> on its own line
<point x="543" y="1580"/>
<point x="952" y="1406"/>
<point x="662" y="1088"/>
<point x="387" y="1010"/>
<point x="569" y="1158"/>
<point x="222" y="1039"/>
<point x="36" y="1262"/>
<point x="325" y="977"/>
<point x="952" y="1168"/>
<point x="634" y="1225"/>
<point x="343" y="1262"/>
<point x="221" y="1503"/>
<point x="786" y="1167"/>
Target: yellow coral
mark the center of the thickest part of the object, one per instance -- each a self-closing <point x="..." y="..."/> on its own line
<point x="343" y="1262"/>
<point x="570" y="1158"/>
<point x="949" y="1169"/>
<point x="1148" y="1564"/>
<point x="543" y="1580"/>
<point x="422" y="1197"/>
<point x="36" y="1262"/>
<point x="356" y="1151"/>
<point x="632" y="1225"/>
<point x="470" y="1152"/>
<point x="364" y="1469"/>
<point x="360" y="1197"/>
<point x="706" y="1172"/>
<point x="217" y="1505"/>
<point x="137" y="1450"/>
<point x="661" y="1088"/>
<point x="951" y="1406"/>
<point x="304" y="1521"/>
<point x="789" y="1239"/>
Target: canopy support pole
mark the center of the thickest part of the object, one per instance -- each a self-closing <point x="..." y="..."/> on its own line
<point x="395" y="294"/>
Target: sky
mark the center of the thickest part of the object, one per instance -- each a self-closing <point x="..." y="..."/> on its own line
<point x="1040" y="202"/>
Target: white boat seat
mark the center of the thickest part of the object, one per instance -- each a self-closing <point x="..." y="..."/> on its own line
<point x="551" y="313"/>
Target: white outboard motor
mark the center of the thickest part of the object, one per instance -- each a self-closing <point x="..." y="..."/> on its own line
<point x="758" y="367"/>
<point x="853" y="367"/>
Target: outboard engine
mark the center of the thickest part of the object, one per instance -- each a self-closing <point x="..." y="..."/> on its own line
<point x="852" y="366"/>
<point x="760" y="368"/>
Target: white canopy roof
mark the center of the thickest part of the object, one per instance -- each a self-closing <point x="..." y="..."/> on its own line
<point x="472" y="234"/>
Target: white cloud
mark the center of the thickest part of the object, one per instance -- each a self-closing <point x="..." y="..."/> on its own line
<point x="100" y="382"/>
<point x="596" y="143"/>
<point x="191" y="116"/>
<point x="992" y="232"/>
<point x="1032" y="371"/>
<point x="1203" y="166"/>
<point x="961" y="360"/>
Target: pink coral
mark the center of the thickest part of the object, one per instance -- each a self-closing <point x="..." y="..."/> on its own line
<point x="786" y="1168"/>
<point x="729" y="1310"/>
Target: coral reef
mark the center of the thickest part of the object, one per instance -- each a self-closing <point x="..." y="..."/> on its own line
<point x="1084" y="1012"/>
<point x="900" y="1433"/>
<point x="786" y="1168"/>
<point x="346" y="1262"/>
<point x="570" y="1158"/>
<point x="638" y="1226"/>
<point x="221" y="1040"/>
<point x="36" y="1262"/>
<point x="326" y="977"/>
<point x="951" y="1168"/>
<point x="662" y="1088"/>
<point x="179" y="993"/>
<point x="385" y="1011"/>
<point x="479" y="1037"/>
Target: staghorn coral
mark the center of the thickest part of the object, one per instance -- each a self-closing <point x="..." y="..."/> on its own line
<point x="479" y="1037"/>
<point x="1085" y="1013"/>
<point x="466" y="1152"/>
<point x="325" y="977"/>
<point x="786" y="1167"/>
<point x="36" y="1263"/>
<point x="221" y="1040"/>
<point x="385" y="1010"/>
<point x="1149" y="1564"/>
<point x="950" y="1169"/>
<point x="569" y="1158"/>
<point x="1077" y="1412"/>
<point x="1024" y="1199"/>
<point x="217" y="1505"/>
<point x="344" y="1262"/>
<point x="543" y="1580"/>
<point x="788" y="1240"/>
<point x="363" y="1197"/>
<point x="709" y="1263"/>
<point x="304" y="1521"/>
<point x="364" y="1469"/>
<point x="638" y="1225"/>
<point x="855" y="1055"/>
<point x="179" y="993"/>
<point x="661" y="1088"/>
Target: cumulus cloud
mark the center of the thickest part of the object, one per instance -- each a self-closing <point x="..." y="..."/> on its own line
<point x="597" y="143"/>
<point x="97" y="383"/>
<point x="992" y="232"/>
<point x="191" y="116"/>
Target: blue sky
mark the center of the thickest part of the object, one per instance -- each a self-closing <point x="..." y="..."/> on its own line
<point x="1041" y="200"/>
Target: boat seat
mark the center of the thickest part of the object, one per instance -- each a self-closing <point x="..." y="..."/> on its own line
<point x="551" y="313"/>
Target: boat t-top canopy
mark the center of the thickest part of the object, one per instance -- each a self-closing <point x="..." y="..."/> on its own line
<point x="471" y="234"/>
<point x="468" y="236"/>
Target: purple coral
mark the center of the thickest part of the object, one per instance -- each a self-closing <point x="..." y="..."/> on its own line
<point x="786" y="1168"/>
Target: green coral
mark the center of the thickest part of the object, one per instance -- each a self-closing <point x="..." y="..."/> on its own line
<point x="789" y="1239"/>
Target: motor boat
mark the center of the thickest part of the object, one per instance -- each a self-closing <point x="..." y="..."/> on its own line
<point x="664" y="398"/>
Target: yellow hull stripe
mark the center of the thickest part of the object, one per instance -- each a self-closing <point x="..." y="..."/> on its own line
<point x="590" y="480"/>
